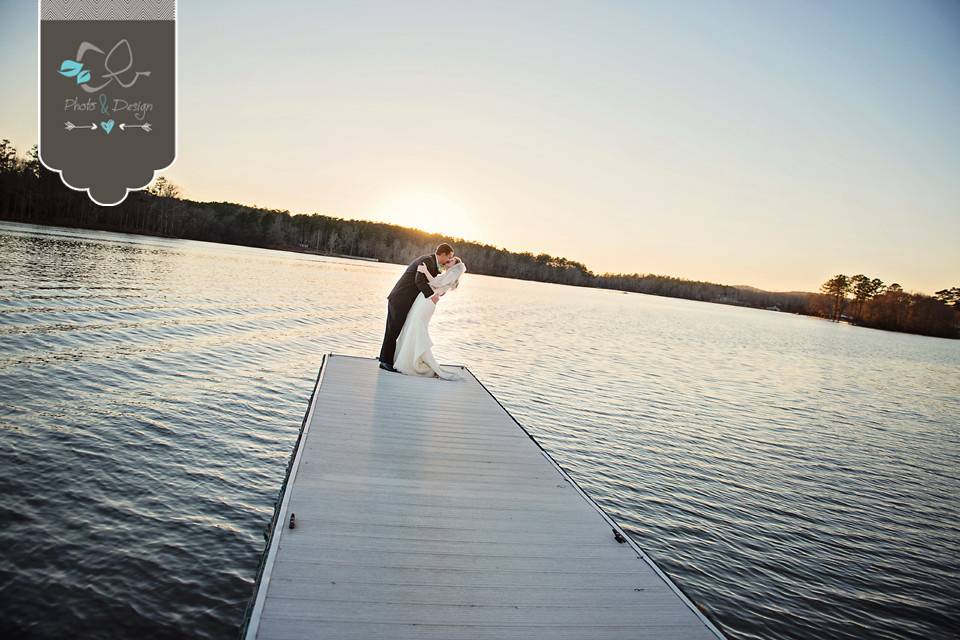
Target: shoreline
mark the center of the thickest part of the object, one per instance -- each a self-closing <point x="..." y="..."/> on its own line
<point x="306" y="251"/>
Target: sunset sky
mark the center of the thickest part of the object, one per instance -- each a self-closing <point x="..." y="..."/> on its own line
<point x="765" y="143"/>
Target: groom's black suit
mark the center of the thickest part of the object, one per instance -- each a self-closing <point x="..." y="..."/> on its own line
<point x="401" y="299"/>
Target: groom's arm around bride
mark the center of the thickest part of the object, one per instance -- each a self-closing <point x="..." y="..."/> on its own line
<point x="421" y="280"/>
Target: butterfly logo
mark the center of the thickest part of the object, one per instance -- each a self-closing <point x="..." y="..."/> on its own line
<point x="117" y="64"/>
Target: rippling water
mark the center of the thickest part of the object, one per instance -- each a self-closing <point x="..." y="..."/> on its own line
<point x="798" y="478"/>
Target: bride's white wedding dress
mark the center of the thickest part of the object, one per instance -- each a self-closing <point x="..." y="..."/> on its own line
<point x="413" y="355"/>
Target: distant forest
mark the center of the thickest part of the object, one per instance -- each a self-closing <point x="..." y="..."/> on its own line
<point x="31" y="193"/>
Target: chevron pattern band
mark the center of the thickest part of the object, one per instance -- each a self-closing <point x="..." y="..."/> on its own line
<point x="107" y="9"/>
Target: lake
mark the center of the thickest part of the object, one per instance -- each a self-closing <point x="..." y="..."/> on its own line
<point x="798" y="478"/>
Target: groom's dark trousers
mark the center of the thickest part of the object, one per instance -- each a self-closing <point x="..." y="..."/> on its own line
<point x="405" y="292"/>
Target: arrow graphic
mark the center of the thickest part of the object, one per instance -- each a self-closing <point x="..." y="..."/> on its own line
<point x="145" y="126"/>
<point x="69" y="126"/>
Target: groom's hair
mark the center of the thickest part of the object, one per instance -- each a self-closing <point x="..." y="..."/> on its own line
<point x="443" y="248"/>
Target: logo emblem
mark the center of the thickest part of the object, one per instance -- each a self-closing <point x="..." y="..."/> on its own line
<point x="107" y="93"/>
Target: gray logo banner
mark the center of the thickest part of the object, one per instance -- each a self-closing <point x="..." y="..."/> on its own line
<point x="107" y="93"/>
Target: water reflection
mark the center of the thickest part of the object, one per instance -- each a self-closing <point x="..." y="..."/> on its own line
<point x="797" y="477"/>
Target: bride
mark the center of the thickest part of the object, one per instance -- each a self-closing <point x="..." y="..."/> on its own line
<point x="413" y="356"/>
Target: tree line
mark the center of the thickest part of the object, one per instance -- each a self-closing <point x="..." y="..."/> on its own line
<point x="31" y="193"/>
<point x="869" y="302"/>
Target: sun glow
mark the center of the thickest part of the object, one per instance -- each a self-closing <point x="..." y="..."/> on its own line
<point x="430" y="210"/>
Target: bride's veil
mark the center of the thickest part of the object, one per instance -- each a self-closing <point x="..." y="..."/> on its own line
<point x="455" y="272"/>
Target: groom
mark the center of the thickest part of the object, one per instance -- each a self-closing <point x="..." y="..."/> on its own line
<point x="408" y="287"/>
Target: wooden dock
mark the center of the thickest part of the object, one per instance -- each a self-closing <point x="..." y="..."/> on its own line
<point x="424" y="510"/>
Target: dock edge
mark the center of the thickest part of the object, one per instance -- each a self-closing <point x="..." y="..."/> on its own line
<point x="251" y="617"/>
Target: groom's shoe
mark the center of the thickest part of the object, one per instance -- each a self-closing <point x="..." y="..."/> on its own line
<point x="387" y="367"/>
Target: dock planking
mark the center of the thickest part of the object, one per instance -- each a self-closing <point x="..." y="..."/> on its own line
<point x="424" y="510"/>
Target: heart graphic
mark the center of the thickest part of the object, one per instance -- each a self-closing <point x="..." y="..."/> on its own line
<point x="107" y="126"/>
